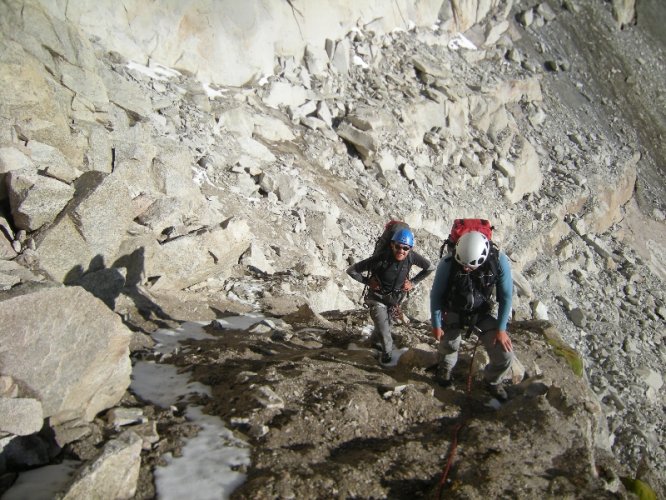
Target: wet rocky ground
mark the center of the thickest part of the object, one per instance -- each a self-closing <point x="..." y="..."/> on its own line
<point x="323" y="418"/>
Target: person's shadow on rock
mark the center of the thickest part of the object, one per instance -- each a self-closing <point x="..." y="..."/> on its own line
<point x="125" y="277"/>
<point x="134" y="264"/>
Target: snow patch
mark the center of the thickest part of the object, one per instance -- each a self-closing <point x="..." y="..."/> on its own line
<point x="210" y="459"/>
<point x="155" y="71"/>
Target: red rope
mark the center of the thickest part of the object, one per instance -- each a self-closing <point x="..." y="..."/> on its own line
<point x="454" y="438"/>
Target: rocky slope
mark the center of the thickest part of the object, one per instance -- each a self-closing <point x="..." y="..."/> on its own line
<point x="171" y="197"/>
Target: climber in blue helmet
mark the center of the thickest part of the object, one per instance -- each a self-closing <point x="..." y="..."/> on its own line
<point x="389" y="282"/>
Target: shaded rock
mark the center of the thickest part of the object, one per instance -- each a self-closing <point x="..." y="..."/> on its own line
<point x="105" y="284"/>
<point x="31" y="484"/>
<point x="12" y="158"/>
<point x="18" y="452"/>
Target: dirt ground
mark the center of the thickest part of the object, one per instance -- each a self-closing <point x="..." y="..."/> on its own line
<point x="327" y="421"/>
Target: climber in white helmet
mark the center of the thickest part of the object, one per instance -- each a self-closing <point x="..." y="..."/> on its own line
<point x="461" y="298"/>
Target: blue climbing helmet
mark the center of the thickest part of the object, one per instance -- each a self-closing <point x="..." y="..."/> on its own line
<point x="404" y="236"/>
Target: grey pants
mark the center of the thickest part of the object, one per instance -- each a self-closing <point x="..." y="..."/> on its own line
<point x="382" y="331"/>
<point x="500" y="360"/>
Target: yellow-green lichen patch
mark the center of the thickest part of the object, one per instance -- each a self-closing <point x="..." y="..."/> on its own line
<point x="641" y="489"/>
<point x="572" y="357"/>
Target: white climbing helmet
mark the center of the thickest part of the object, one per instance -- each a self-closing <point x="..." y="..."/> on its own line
<point x="472" y="249"/>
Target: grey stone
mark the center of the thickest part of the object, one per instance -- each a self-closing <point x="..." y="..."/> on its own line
<point x="285" y="94"/>
<point x="123" y="93"/>
<point x="36" y="200"/>
<point x="539" y="310"/>
<point x="113" y="474"/>
<point x="68" y="382"/>
<point x="340" y="60"/>
<point x="316" y="59"/>
<point x="255" y="258"/>
<point x="436" y="69"/>
<point x="362" y="141"/>
<point x="118" y="417"/>
<point x="89" y="228"/>
<point x="52" y="162"/>
<point x="85" y="83"/>
<point x="210" y="251"/>
<point x="8" y="388"/>
<point x="12" y="158"/>
<point x="70" y="431"/>
<point x="20" y="416"/>
<point x="624" y="12"/>
<point x="147" y="431"/>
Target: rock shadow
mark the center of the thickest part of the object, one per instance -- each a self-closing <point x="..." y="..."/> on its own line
<point x="123" y="277"/>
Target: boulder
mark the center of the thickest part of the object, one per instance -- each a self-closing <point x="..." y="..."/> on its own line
<point x="192" y="258"/>
<point x="126" y="95"/>
<point x="113" y="474"/>
<point x="364" y="142"/>
<point x="92" y="227"/>
<point x="31" y="103"/>
<point x="327" y="296"/>
<point x="35" y="199"/>
<point x="624" y="12"/>
<point x="40" y="329"/>
<point x="52" y="162"/>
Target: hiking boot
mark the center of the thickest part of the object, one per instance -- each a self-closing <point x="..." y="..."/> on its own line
<point x="444" y="378"/>
<point x="497" y="391"/>
<point x="387" y="357"/>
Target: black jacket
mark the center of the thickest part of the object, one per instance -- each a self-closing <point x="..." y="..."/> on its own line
<point x="390" y="273"/>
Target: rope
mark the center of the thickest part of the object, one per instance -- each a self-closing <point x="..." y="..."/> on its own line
<point x="464" y="417"/>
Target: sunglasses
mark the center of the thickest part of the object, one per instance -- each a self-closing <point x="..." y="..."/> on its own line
<point x="404" y="248"/>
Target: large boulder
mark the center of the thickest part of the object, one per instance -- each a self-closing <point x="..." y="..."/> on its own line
<point x="193" y="258"/>
<point x="91" y="227"/>
<point x="66" y="349"/>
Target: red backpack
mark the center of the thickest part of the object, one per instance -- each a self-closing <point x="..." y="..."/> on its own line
<point x="462" y="226"/>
